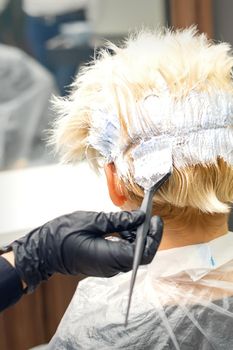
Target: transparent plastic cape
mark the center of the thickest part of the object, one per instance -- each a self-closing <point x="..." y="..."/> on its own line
<point x="182" y="300"/>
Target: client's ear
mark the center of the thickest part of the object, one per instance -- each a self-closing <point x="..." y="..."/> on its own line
<point x="115" y="190"/>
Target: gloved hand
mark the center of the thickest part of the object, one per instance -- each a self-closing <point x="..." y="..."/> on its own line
<point x="75" y="243"/>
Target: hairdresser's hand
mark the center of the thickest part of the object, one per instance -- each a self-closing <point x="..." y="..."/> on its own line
<point x="75" y="243"/>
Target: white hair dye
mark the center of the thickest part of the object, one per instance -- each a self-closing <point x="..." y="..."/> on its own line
<point x="152" y="160"/>
<point x="193" y="129"/>
<point x="104" y="134"/>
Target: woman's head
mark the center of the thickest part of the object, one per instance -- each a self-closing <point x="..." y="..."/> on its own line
<point x="172" y="87"/>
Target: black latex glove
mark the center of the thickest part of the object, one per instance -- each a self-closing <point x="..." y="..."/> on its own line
<point x="75" y="243"/>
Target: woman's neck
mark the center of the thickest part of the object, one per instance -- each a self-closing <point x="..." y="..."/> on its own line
<point x="199" y="229"/>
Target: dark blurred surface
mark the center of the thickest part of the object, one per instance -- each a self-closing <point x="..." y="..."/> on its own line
<point x="231" y="221"/>
<point x="222" y="15"/>
<point x="11" y="25"/>
<point x="34" y="320"/>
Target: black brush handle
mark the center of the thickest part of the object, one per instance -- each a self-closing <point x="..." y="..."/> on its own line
<point x="141" y="235"/>
<point x="142" y="230"/>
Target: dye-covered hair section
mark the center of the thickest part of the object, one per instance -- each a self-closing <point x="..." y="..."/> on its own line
<point x="165" y="86"/>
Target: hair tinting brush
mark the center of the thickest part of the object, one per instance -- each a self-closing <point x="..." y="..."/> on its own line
<point x="146" y="157"/>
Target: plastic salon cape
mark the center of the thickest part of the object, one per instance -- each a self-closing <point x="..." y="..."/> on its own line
<point x="182" y="300"/>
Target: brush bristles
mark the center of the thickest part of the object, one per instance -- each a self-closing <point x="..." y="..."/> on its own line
<point x="152" y="160"/>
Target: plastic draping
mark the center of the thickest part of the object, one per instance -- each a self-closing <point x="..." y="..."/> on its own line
<point x="182" y="300"/>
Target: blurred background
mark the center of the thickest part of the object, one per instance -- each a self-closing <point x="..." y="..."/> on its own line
<point x="43" y="44"/>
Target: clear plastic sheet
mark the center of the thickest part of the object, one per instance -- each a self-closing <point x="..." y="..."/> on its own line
<point x="182" y="300"/>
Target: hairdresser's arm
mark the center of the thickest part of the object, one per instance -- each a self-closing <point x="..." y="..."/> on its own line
<point x="73" y="244"/>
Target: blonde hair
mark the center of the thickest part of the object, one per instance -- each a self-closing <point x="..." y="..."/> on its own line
<point x="121" y="76"/>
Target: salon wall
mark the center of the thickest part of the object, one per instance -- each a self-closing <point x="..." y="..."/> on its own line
<point x="184" y="13"/>
<point x="111" y="17"/>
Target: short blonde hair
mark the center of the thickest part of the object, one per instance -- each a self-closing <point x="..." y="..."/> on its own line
<point x="185" y="60"/>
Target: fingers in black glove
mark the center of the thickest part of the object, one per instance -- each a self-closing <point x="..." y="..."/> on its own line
<point x="71" y="244"/>
<point x="154" y="237"/>
<point x="105" y="223"/>
<point x="75" y="243"/>
<point x="128" y="235"/>
<point x="97" y="256"/>
<point x="124" y="253"/>
<point x="112" y="257"/>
